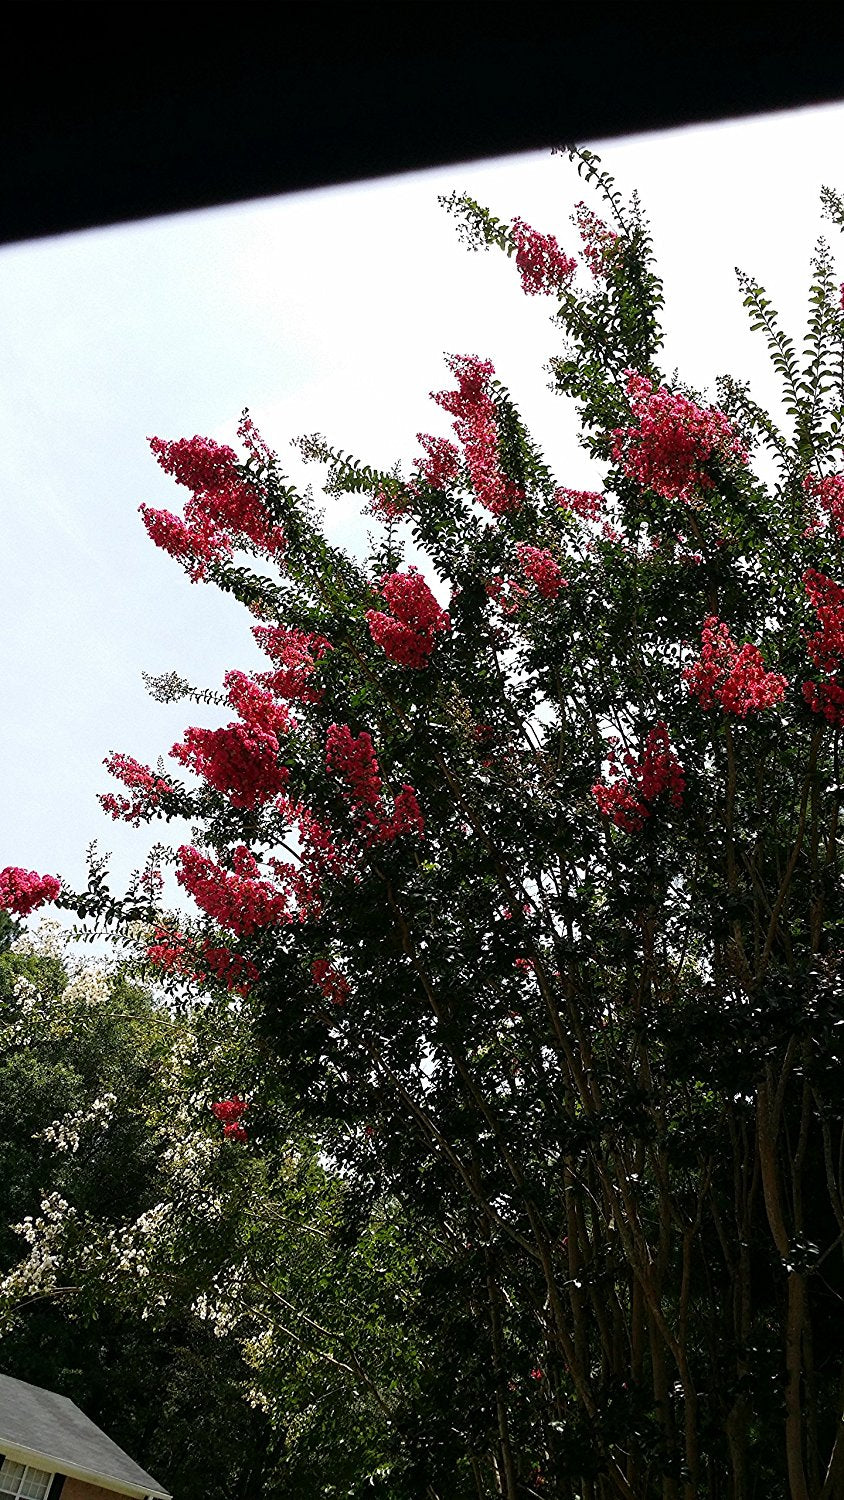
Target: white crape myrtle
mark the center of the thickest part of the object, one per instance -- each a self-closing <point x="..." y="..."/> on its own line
<point x="63" y="1246"/>
<point x="37" y="1275"/>
<point x="66" y="1134"/>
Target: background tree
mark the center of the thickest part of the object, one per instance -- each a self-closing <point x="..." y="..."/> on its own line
<point x="175" y="1286"/>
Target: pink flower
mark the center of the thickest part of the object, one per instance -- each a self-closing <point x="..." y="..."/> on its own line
<point x="296" y="654"/>
<point x="238" y="899"/>
<point x="252" y="440"/>
<point x="407" y="635"/>
<point x="506" y="593"/>
<point x="442" y="461"/>
<point x="629" y="799"/>
<point x="23" y="891"/>
<point x="241" y="761"/>
<point x="828" y="493"/>
<point x="256" y="706"/>
<point x="732" y="676"/>
<point x="541" y="568"/>
<point x="224" y="509"/>
<point x="334" y="985"/>
<point x="672" y="441"/>
<point x="584" y="503"/>
<point x="542" y="265"/>
<point x="390" y="507"/>
<point x="194" y="544"/>
<point x="476" y="426"/>
<point x="230" y="1112"/>
<point x="352" y="759"/>
<point x="231" y="969"/>
<point x="599" y="242"/>
<point x="148" y="788"/>
<point x="826" y="647"/>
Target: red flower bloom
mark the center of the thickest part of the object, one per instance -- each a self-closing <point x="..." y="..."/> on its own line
<point x="828" y="494"/>
<point x="506" y="593"/>
<point x="256" y="706"/>
<point x="335" y="987"/>
<point x="353" y="761"/>
<point x="296" y="654"/>
<point x="584" y="503"/>
<point x="229" y="1112"/>
<point x="241" y="761"/>
<point x="599" y="242"/>
<point x="629" y="799"/>
<point x="542" y="265"/>
<point x="239" y="899"/>
<point x="734" y="677"/>
<point x="174" y="954"/>
<point x="23" y="891"/>
<point x="672" y="440"/>
<point x="224" y="509"/>
<point x="476" y="426"/>
<point x="541" y="568"/>
<point x="826" y="647"/>
<point x="442" y="462"/>
<point x="407" y="636"/>
<point x="149" y="790"/>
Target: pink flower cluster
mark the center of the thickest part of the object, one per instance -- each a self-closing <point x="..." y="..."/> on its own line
<point x="148" y="790"/>
<point x="256" y="706"/>
<point x="828" y="494"/>
<point x="629" y="799"/>
<point x="230" y="1112"/>
<point x="506" y="593"/>
<point x="23" y="891"/>
<point x="295" y="654"/>
<point x="334" y="985"/>
<point x="255" y="445"/>
<point x="826" y="647"/>
<point x="241" y="761"/>
<point x="224" y="509"/>
<point x="542" y="265"/>
<point x="352" y="760"/>
<point x="407" y="635"/>
<point x="584" y="503"/>
<point x="238" y="899"/>
<point x="476" y="426"/>
<point x="672" y="441"/>
<point x="599" y="242"/>
<point x="390" y="507"/>
<point x="730" y="675"/>
<point x="171" y="952"/>
<point x="441" y="462"/>
<point x="542" y="569"/>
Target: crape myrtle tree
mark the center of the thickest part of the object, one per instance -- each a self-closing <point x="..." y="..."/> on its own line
<point x="529" y="861"/>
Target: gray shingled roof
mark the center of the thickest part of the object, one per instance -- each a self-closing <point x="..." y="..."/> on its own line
<point x="46" y="1423"/>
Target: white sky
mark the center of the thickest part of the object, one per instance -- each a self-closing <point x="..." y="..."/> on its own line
<point x="326" y="311"/>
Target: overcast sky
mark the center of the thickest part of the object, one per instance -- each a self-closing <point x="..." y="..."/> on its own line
<point x="327" y="311"/>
